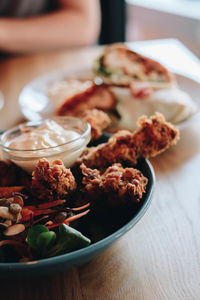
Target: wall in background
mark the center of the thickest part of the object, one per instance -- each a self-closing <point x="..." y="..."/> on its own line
<point x="162" y="19"/>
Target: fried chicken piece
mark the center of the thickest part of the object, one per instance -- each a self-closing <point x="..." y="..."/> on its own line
<point x="116" y="184"/>
<point x="51" y="182"/>
<point x="153" y="136"/>
<point x="98" y="120"/>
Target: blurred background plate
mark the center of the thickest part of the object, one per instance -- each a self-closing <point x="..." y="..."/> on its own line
<point x="34" y="100"/>
<point x="35" y="103"/>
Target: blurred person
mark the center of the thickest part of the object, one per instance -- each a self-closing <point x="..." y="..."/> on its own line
<point x="39" y="25"/>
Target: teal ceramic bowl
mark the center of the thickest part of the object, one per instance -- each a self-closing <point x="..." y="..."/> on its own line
<point x="116" y="227"/>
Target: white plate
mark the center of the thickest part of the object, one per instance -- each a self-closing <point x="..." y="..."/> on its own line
<point x="36" y="105"/>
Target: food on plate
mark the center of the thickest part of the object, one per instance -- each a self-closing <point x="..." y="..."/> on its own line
<point x="48" y="243"/>
<point x="141" y="86"/>
<point x="52" y="181"/>
<point x="87" y="100"/>
<point x="117" y="184"/>
<point x="125" y="85"/>
<point x="153" y="136"/>
<point x="63" y="89"/>
<point x="119" y="65"/>
<point x="87" y="96"/>
<point x="98" y="120"/>
<point x="175" y="104"/>
<point x="7" y="191"/>
<point x="31" y="228"/>
<point x="58" y="138"/>
<point x="44" y="217"/>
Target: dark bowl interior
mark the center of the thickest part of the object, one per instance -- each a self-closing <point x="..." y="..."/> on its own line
<point x="103" y="231"/>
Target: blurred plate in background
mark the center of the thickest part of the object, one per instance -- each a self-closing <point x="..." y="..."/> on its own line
<point x="36" y="104"/>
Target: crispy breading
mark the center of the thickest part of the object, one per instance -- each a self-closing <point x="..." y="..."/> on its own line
<point x="98" y="120"/>
<point x="116" y="184"/>
<point x="153" y="136"/>
<point x="52" y="181"/>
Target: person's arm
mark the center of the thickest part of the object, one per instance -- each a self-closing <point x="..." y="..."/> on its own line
<point x="75" y="23"/>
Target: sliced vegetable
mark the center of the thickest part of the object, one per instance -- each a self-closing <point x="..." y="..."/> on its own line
<point x="81" y="207"/>
<point x="14" y="229"/>
<point x="75" y="217"/>
<point x="26" y="214"/>
<point x="9" y="191"/>
<point x="39" y="212"/>
<point x="46" y="205"/>
<point x="69" y="239"/>
<point x="68" y="220"/>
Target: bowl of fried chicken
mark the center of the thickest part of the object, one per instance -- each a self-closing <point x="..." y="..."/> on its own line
<point x="60" y="217"/>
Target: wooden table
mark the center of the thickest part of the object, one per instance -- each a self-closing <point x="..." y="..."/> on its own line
<point x="160" y="257"/>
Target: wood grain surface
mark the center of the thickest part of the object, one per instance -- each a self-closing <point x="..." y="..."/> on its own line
<point x="159" y="259"/>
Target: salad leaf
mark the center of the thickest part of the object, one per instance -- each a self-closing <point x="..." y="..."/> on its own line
<point x="44" y="242"/>
<point x="33" y="234"/>
<point x="47" y="243"/>
<point x="69" y="239"/>
<point x="100" y="68"/>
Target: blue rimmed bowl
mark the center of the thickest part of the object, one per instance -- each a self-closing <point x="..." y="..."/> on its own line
<point x="115" y="229"/>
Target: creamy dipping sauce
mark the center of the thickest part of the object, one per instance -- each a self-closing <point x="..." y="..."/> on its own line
<point x="48" y="140"/>
<point x="50" y="134"/>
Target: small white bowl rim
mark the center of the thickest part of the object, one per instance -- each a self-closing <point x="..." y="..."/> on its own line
<point x="32" y="123"/>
